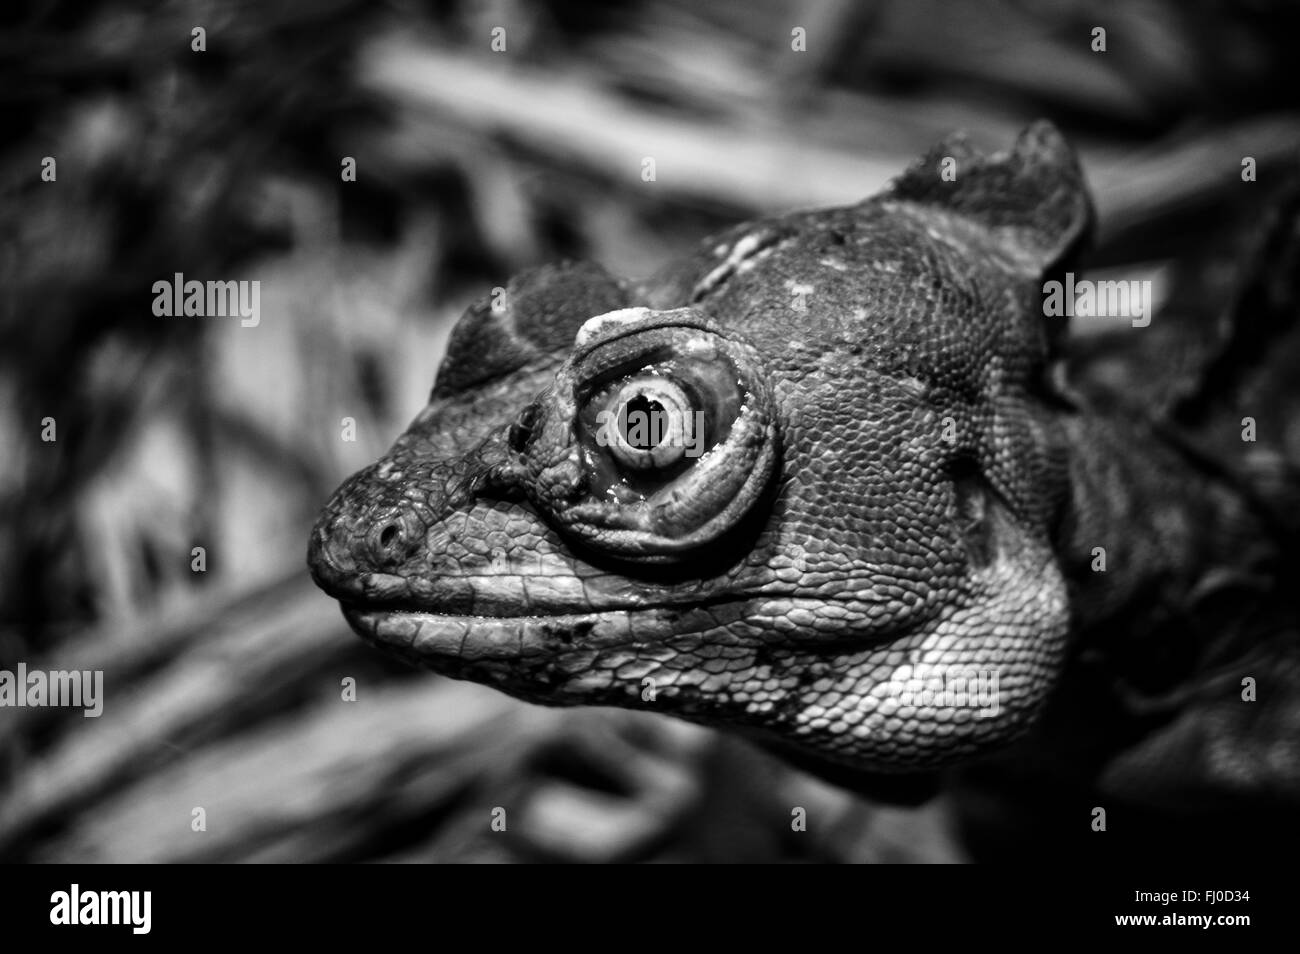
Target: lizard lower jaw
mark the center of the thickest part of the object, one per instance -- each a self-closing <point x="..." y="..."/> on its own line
<point x="428" y="636"/>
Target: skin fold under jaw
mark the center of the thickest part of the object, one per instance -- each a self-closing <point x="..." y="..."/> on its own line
<point x="873" y="521"/>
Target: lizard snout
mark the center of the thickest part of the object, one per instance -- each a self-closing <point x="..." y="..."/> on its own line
<point x="329" y="559"/>
<point x="361" y="539"/>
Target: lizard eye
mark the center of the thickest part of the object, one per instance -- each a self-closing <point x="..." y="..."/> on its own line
<point x="646" y="420"/>
<point x="671" y="440"/>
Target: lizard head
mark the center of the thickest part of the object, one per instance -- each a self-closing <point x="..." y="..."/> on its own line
<point x="803" y="484"/>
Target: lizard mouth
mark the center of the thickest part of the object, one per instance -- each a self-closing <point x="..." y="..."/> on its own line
<point x="436" y="635"/>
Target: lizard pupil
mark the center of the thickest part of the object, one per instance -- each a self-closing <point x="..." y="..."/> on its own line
<point x="644" y="424"/>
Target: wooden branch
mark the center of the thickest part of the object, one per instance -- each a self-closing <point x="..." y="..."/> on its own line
<point x="448" y="100"/>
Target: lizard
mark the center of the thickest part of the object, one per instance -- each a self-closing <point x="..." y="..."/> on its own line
<point x="898" y="467"/>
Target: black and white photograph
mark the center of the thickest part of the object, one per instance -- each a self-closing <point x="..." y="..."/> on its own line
<point x="440" y="431"/>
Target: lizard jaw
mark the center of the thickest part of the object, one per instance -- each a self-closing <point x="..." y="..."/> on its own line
<point x="433" y="635"/>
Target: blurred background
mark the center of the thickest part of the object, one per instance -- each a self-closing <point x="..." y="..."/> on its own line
<point x="222" y="687"/>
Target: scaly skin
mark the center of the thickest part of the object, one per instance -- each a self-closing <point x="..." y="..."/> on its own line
<point x="894" y="484"/>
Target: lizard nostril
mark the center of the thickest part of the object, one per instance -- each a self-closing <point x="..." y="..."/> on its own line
<point x="391" y="540"/>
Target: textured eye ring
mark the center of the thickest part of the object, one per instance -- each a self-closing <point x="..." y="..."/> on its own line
<point x="580" y="479"/>
<point x="656" y="410"/>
